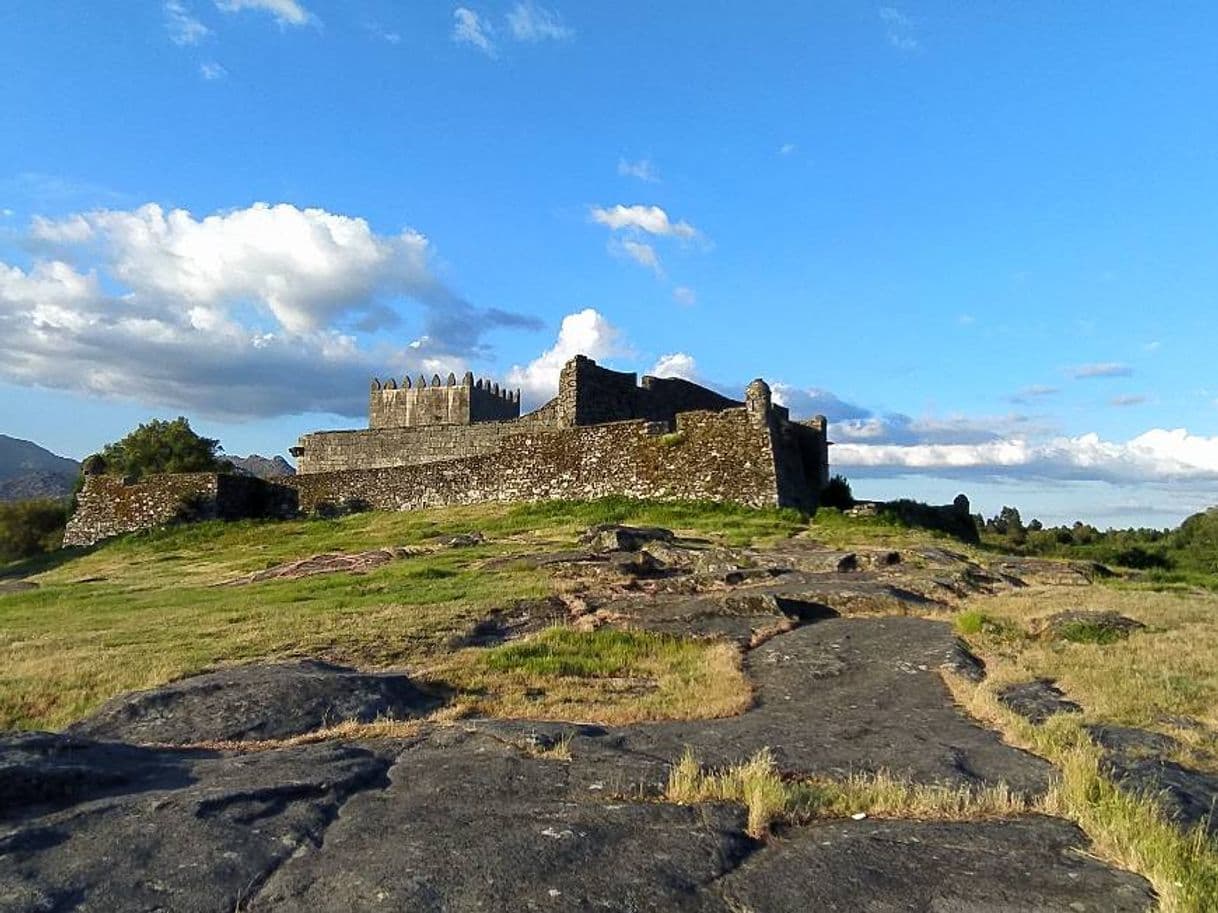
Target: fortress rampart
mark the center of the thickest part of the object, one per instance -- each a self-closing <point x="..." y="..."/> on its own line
<point x="444" y="443"/>
<point x="604" y="433"/>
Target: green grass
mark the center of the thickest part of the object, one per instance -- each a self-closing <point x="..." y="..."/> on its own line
<point x="974" y="622"/>
<point x="586" y="654"/>
<point x="143" y="609"/>
<point x="1089" y="632"/>
<point x="839" y="529"/>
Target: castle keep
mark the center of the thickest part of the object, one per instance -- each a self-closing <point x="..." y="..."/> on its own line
<point x="443" y="442"/>
<point x="460" y="442"/>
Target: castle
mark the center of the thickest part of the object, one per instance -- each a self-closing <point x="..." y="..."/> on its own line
<point x="451" y="442"/>
<point x="459" y="442"/>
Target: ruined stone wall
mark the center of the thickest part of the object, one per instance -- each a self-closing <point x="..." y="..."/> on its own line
<point x="109" y="506"/>
<point x="589" y="394"/>
<point x="661" y="399"/>
<point x="719" y="456"/>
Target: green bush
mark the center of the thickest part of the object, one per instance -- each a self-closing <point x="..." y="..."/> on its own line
<point x="837" y="493"/>
<point x="161" y="446"/>
<point x="30" y="528"/>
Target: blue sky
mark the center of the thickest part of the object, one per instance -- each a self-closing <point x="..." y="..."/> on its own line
<point x="980" y="237"/>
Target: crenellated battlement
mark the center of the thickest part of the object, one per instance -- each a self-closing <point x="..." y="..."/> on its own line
<point x="418" y="403"/>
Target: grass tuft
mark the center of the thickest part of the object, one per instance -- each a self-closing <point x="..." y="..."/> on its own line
<point x="769" y="798"/>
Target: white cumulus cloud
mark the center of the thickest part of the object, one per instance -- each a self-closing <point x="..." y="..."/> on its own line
<point x="640" y="252"/>
<point x="650" y="219"/>
<point x="585" y="332"/>
<point x="306" y="266"/>
<point x="1156" y="455"/>
<point x="677" y="364"/>
<point x="250" y="312"/>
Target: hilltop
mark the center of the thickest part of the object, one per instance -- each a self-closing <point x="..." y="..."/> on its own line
<point x="30" y="471"/>
<point x="473" y="708"/>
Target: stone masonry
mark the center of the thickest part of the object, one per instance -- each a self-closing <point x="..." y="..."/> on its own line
<point x="603" y="434"/>
<point x="449" y="442"/>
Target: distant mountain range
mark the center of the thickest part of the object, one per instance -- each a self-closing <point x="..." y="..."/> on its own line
<point x="29" y="471"/>
<point x="263" y="467"/>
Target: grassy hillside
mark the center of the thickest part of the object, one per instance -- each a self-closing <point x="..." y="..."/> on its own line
<point x="144" y="609"/>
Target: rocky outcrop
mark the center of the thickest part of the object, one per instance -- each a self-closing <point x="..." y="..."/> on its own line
<point x="255" y="702"/>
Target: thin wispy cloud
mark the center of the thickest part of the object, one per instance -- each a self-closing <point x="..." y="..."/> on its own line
<point x="1129" y="399"/>
<point x="184" y="29"/>
<point x="786" y="149"/>
<point x="1101" y="369"/>
<point x="1036" y="391"/>
<point x="899" y="29"/>
<point x="286" y="12"/>
<point x="532" y="23"/>
<point x="642" y="169"/>
<point x="684" y="296"/>
<point x="474" y="30"/>
<point x="640" y="252"/>
<point x="211" y="71"/>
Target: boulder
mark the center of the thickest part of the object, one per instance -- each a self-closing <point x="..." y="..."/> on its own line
<point x="1081" y="626"/>
<point x="1037" y="700"/>
<point x="614" y="537"/>
<point x="263" y="701"/>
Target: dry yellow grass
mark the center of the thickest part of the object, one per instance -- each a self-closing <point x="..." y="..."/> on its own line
<point x="758" y="785"/>
<point x="1157" y="679"/>
<point x="604" y="676"/>
<point x="1126" y="829"/>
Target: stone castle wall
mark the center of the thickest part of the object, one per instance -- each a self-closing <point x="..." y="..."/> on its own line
<point x="380" y="448"/>
<point x="416" y="404"/>
<point x="717" y="456"/>
<point x="109" y="506"/>
<point x="589" y="394"/>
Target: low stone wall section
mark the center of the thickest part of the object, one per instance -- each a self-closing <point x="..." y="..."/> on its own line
<point x="109" y="506"/>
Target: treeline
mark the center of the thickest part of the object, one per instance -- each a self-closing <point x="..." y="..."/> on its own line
<point x="30" y="528"/>
<point x="1188" y="550"/>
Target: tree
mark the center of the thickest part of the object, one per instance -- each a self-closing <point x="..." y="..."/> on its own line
<point x="837" y="494"/>
<point x="162" y="446"/>
<point x="31" y="527"/>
